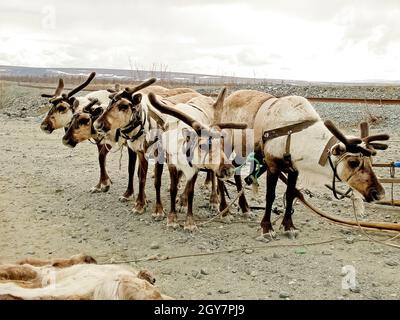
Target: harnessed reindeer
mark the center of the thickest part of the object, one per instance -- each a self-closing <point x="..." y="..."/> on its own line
<point x="193" y="141"/>
<point x="62" y="109"/>
<point x="133" y="120"/>
<point x="62" y="106"/>
<point x="290" y="137"/>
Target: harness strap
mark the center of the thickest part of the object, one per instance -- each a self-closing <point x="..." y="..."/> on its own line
<point x="335" y="176"/>
<point x="283" y="131"/>
<point x="124" y="132"/>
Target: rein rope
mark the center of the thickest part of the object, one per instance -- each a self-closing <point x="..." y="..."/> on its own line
<point x="333" y="166"/>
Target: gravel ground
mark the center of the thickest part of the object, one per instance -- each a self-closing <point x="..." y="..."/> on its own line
<point x="47" y="211"/>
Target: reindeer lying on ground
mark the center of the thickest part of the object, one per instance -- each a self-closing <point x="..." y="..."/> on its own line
<point x="290" y="137"/>
<point x="193" y="141"/>
<point x="76" y="278"/>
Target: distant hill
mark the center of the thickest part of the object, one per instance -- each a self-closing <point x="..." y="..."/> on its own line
<point x="115" y="75"/>
<point x="119" y="74"/>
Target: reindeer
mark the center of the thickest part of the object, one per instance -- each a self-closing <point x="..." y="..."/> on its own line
<point x="134" y="121"/>
<point x="62" y="109"/>
<point x="76" y="278"/>
<point x="62" y="106"/>
<point x="193" y="141"/>
<point x="290" y="137"/>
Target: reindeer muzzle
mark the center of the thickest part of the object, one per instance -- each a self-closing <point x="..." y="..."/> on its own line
<point x="375" y="194"/>
<point x="69" y="143"/>
<point x="45" y="127"/>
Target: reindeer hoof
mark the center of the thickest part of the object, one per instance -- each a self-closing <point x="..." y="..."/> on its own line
<point x="172" y="225"/>
<point x="227" y="218"/>
<point x="292" y="233"/>
<point x="190" y="227"/>
<point x="105" y="188"/>
<point x="95" y="189"/>
<point x="125" y="199"/>
<point x="214" y="207"/>
<point x="138" y="210"/>
<point x="158" y="216"/>
<point x="268" y="236"/>
<point x="172" y="221"/>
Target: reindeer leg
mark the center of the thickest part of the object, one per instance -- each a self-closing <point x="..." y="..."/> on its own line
<point x="158" y="211"/>
<point x="226" y="217"/>
<point x="266" y="225"/>
<point x="183" y="198"/>
<point x="244" y="206"/>
<point x="131" y="172"/>
<point x="222" y="203"/>
<point x="173" y="189"/>
<point x="141" y="198"/>
<point x="287" y="222"/>
<point x="209" y="179"/>
<point x="189" y="223"/>
<point x="105" y="181"/>
<point x="214" y="194"/>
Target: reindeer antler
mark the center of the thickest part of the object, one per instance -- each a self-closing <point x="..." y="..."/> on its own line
<point x="88" y="107"/>
<point x="352" y="144"/>
<point x="162" y="107"/>
<point x="59" y="89"/>
<point x="141" y="86"/>
<point x="368" y="140"/>
<point x="81" y="86"/>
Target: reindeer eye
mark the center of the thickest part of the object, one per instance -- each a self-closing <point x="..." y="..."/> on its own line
<point x="62" y="108"/>
<point x="83" y="121"/>
<point x="123" y="107"/>
<point x="354" y="164"/>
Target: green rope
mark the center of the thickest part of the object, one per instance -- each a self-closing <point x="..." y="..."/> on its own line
<point x="251" y="157"/>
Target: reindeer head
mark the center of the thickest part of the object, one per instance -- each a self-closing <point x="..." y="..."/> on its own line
<point x="62" y="106"/>
<point x="81" y="126"/>
<point x="124" y="107"/>
<point x="204" y="145"/>
<point x="352" y="160"/>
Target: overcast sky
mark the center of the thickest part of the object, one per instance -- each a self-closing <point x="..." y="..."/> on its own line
<point x="331" y="40"/>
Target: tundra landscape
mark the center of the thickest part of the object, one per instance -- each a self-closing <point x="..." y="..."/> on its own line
<point x="48" y="211"/>
<point x="199" y="151"/>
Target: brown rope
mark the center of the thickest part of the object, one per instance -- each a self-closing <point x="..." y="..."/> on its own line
<point x="386" y="243"/>
<point x="288" y="245"/>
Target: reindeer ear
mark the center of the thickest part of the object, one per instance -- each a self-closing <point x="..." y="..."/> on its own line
<point x="75" y="104"/>
<point x="338" y="149"/>
<point x="136" y="99"/>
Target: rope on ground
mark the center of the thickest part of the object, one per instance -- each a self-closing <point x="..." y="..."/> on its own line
<point x="223" y="211"/>
<point x="288" y="245"/>
<point x="386" y="243"/>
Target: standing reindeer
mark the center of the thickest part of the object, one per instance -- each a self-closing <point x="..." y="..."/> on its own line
<point x="192" y="141"/>
<point x="62" y="109"/>
<point x="290" y="137"/>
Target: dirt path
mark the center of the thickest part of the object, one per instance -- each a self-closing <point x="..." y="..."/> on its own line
<point x="47" y="211"/>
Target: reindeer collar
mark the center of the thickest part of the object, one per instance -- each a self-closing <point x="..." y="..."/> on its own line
<point x="138" y="121"/>
<point x="336" y="176"/>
